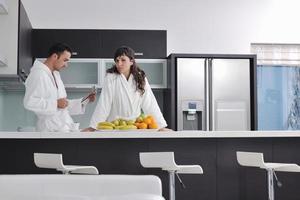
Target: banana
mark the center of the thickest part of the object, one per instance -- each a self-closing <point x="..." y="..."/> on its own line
<point x="110" y="126"/>
<point x="119" y="127"/>
<point x="106" y="124"/>
<point x="101" y="127"/>
<point x="130" y="122"/>
<point x="128" y="127"/>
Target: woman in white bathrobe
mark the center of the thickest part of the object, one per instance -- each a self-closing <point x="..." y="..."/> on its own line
<point x="125" y="93"/>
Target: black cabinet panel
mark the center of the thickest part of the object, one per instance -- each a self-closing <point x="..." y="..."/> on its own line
<point x="114" y="156"/>
<point x="287" y="150"/>
<point x="84" y="43"/>
<point x="236" y="182"/>
<point x="17" y="156"/>
<point x="189" y="152"/>
<point x="146" y="43"/>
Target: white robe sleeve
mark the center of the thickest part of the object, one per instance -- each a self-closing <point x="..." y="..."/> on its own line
<point x="35" y="98"/>
<point x="104" y="104"/>
<point x="150" y="106"/>
<point x="75" y="107"/>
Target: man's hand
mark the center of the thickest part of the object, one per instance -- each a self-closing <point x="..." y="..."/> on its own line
<point x="62" y="103"/>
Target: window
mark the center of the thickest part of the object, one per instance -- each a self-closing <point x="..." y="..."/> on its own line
<point x="278" y="86"/>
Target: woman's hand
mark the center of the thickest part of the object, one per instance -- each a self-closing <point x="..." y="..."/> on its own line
<point x="165" y="129"/>
<point x="89" y="129"/>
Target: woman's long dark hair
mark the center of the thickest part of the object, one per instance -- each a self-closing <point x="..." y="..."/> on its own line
<point x="138" y="74"/>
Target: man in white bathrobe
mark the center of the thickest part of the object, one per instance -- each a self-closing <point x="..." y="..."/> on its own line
<point x="46" y="96"/>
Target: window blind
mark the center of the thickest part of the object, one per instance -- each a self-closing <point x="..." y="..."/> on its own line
<point x="277" y="54"/>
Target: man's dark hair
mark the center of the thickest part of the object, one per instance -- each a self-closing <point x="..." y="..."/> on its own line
<point x="58" y="49"/>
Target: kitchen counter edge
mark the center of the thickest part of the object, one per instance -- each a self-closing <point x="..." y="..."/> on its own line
<point x="137" y="134"/>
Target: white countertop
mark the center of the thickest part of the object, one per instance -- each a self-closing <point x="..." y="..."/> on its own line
<point x="149" y="134"/>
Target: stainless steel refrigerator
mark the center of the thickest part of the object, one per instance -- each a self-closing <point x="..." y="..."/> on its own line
<point x="215" y="92"/>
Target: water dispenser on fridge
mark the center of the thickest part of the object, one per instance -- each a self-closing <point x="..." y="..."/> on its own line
<point x="192" y="115"/>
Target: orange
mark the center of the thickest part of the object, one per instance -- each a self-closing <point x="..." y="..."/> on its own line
<point x="142" y="125"/>
<point x="153" y="126"/>
<point x="147" y="120"/>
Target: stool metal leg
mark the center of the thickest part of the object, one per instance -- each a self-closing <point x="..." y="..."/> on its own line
<point x="270" y="184"/>
<point x="171" y="185"/>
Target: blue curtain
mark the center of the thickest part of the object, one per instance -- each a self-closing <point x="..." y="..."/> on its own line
<point x="278" y="89"/>
<point x="293" y="120"/>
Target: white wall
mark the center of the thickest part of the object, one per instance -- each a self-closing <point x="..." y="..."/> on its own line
<point x="9" y="37"/>
<point x="194" y="26"/>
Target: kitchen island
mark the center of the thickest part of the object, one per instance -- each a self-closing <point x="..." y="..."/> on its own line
<point x="118" y="153"/>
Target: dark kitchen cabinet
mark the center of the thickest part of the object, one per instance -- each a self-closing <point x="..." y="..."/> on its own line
<point x="146" y="43"/>
<point x="84" y="43"/>
<point x="101" y="43"/>
<point x="24" y="43"/>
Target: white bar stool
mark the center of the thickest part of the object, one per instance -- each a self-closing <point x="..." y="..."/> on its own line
<point x="166" y="161"/>
<point x="254" y="159"/>
<point x="55" y="161"/>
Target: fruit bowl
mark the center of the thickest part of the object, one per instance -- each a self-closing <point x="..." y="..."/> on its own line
<point x="143" y="122"/>
<point x="132" y="130"/>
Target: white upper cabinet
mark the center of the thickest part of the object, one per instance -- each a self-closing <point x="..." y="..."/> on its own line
<point x="155" y="70"/>
<point x="3" y="61"/>
<point x="3" y="10"/>
<point x="87" y="72"/>
<point x="3" y="7"/>
<point x="81" y="73"/>
<point x="15" y="40"/>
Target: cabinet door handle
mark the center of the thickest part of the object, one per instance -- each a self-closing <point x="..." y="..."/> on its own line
<point x="74" y="53"/>
<point x="23" y="75"/>
<point x="138" y="53"/>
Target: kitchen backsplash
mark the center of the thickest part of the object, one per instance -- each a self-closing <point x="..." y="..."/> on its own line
<point x="13" y="116"/>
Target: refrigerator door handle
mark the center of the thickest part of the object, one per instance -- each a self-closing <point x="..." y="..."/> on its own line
<point x="210" y="96"/>
<point x="206" y="88"/>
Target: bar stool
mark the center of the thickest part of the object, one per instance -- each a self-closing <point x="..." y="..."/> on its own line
<point x="55" y="161"/>
<point x="166" y="161"/>
<point x="254" y="159"/>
